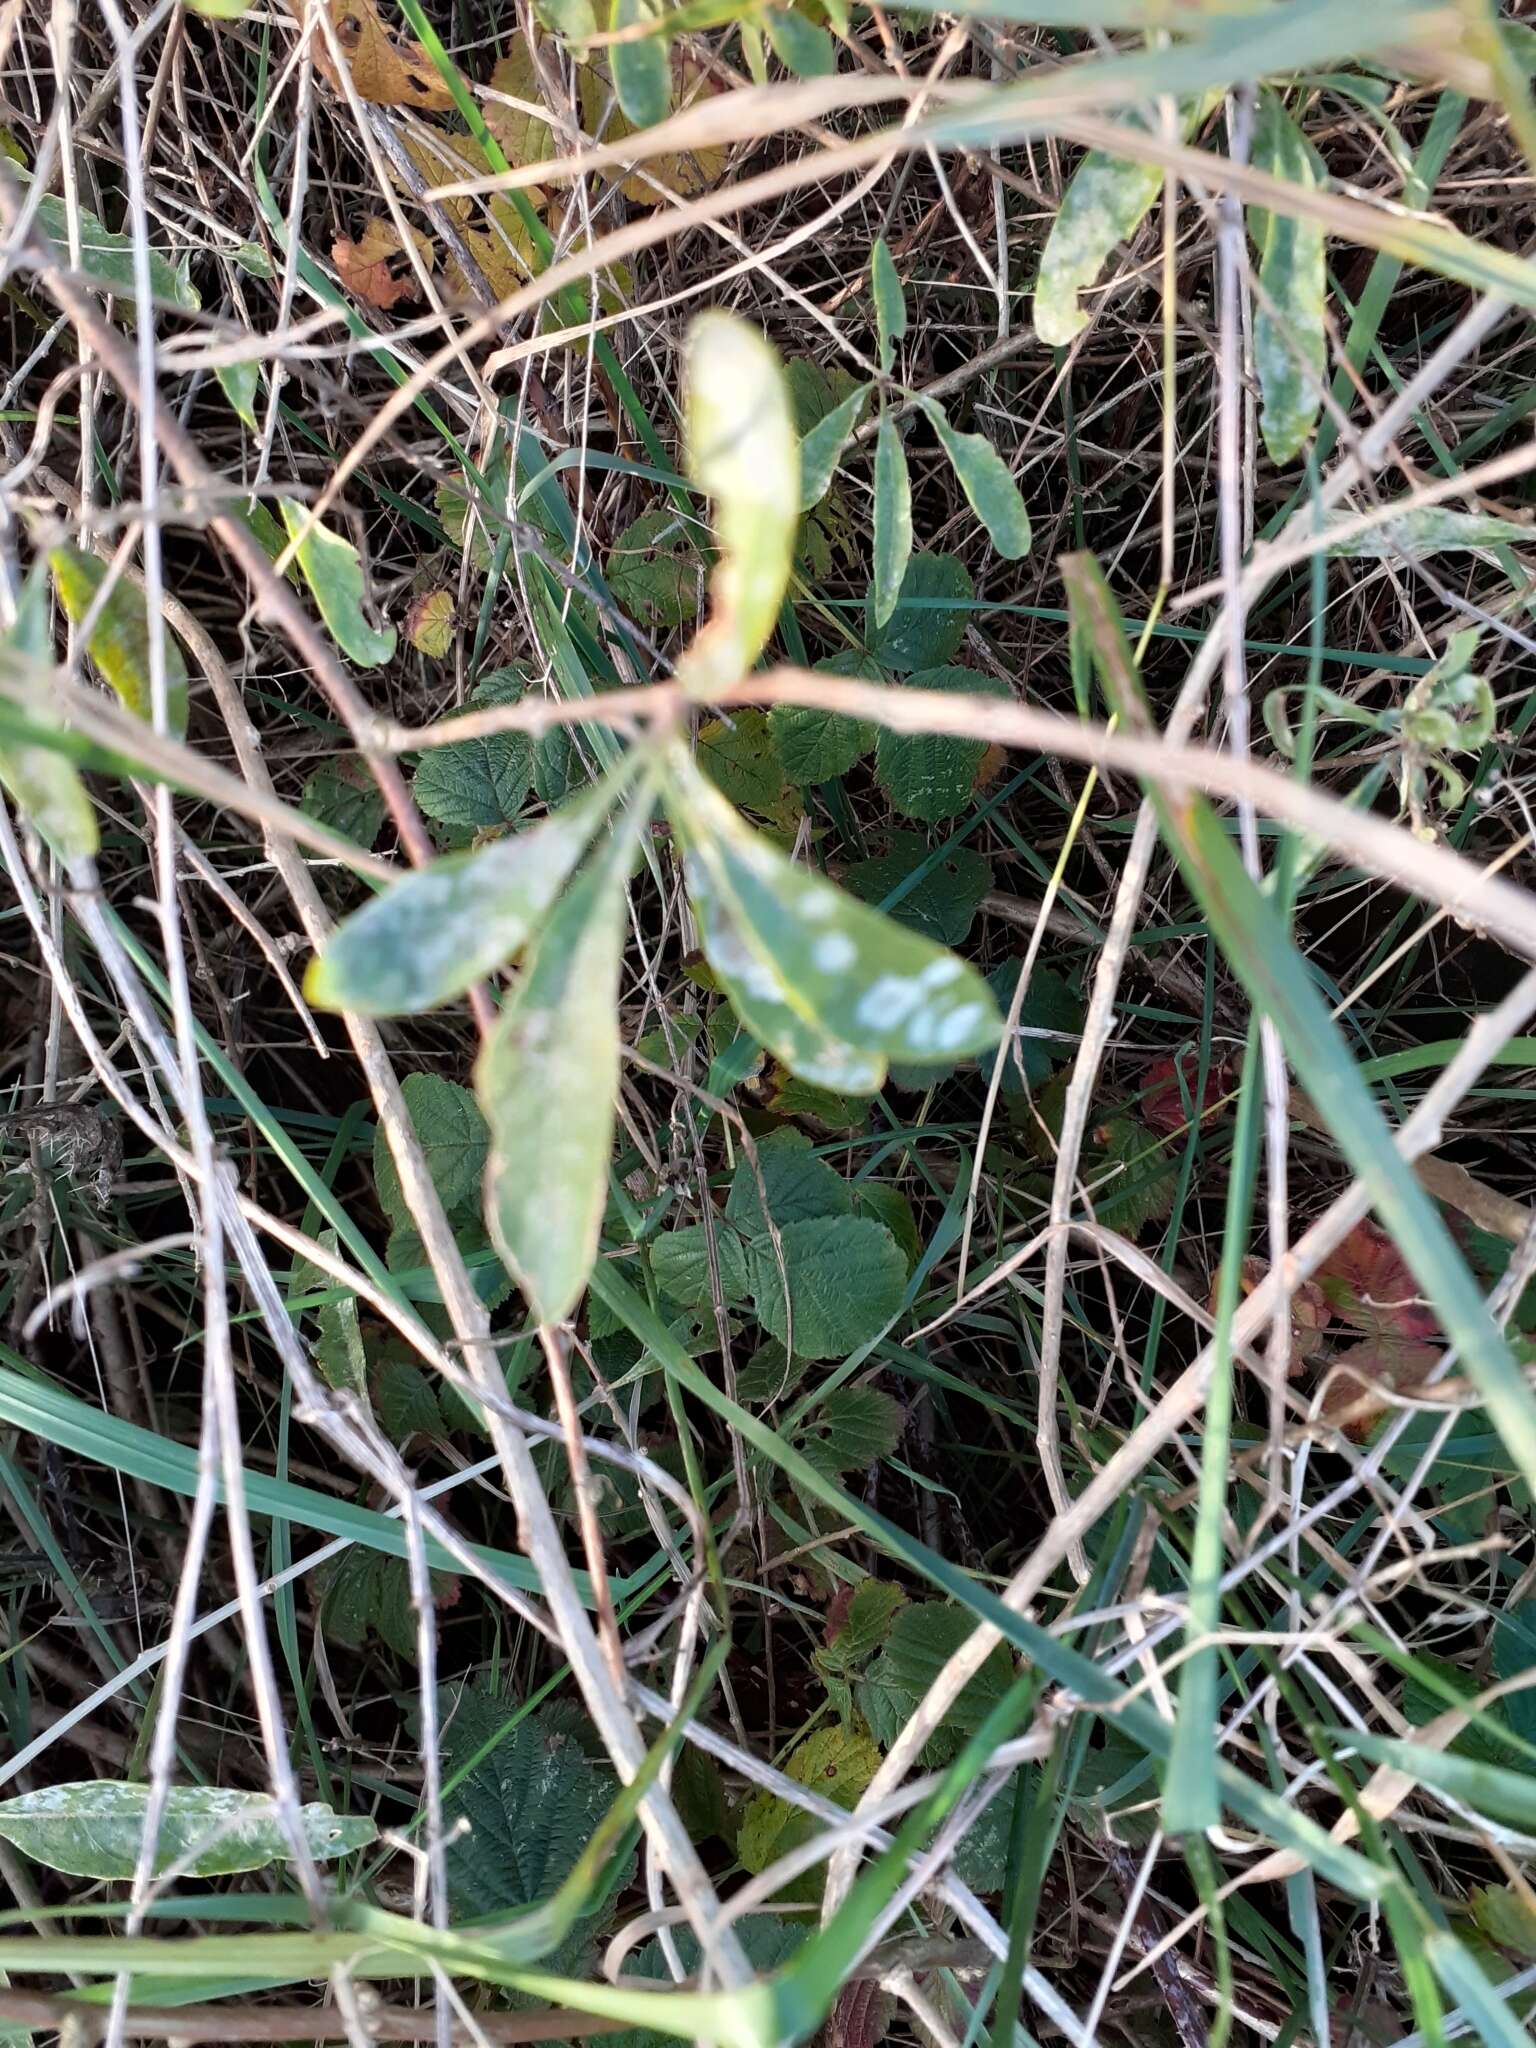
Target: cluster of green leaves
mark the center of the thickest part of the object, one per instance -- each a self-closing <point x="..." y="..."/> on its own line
<point x="832" y="988"/>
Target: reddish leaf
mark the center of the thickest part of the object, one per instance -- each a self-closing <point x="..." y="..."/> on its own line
<point x="374" y="266"/>
<point x="1170" y="1083"/>
<point x="1360" y="1379"/>
<point x="1310" y="1313"/>
<point x="1368" y="1285"/>
<point x="861" y="2016"/>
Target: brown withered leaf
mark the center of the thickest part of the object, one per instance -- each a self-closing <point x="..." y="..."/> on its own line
<point x="374" y="267"/>
<point x="1163" y="1098"/>
<point x="388" y="70"/>
<point x="1368" y="1285"/>
<point x="1310" y="1313"/>
<point x="1361" y="1379"/>
<point x="491" y="226"/>
<point x="683" y="174"/>
<point x="524" y="137"/>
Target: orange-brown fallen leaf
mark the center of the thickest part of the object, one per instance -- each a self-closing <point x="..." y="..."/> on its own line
<point x="388" y="70"/>
<point x="374" y="267"/>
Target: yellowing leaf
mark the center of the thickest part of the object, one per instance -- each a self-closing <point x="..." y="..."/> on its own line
<point x="389" y="71"/>
<point x="118" y="644"/>
<point x="373" y="267"/>
<point x="525" y="137"/>
<point x="491" y="226"/>
<point x="742" y="450"/>
<point x="836" y="1762"/>
<point x="430" y="623"/>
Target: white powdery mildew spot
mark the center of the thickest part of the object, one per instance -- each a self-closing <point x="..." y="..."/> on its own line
<point x="941" y="972"/>
<point x="888" y="1001"/>
<point x="834" y="951"/>
<point x="818" y="903"/>
<point x="941" y="1030"/>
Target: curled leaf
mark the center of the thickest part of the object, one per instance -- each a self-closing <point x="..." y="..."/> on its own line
<point x="373" y="267"/>
<point x="743" y="451"/>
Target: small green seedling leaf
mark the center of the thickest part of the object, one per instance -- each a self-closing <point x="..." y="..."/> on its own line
<point x="118" y="644"/>
<point x="1105" y="203"/>
<point x="987" y="482"/>
<point x="742" y="450"/>
<point x="334" y="572"/>
<point x="789" y="944"/>
<point x="546" y="1080"/>
<point x="893" y="519"/>
<point x="642" y="70"/>
<point x="434" y="932"/>
<point x="1290" y="342"/>
<point x="824" y="444"/>
<point x="890" y="302"/>
<point x="93" y="1829"/>
<point x="801" y="46"/>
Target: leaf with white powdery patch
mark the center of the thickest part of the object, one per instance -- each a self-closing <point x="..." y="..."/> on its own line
<point x="546" y="1081"/>
<point x="434" y="932"/>
<point x="1290" y="343"/>
<point x="94" y="1829"/>
<point x="790" y="944"/>
<point x="893" y="520"/>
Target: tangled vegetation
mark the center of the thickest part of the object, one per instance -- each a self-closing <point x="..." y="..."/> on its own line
<point x="767" y="1183"/>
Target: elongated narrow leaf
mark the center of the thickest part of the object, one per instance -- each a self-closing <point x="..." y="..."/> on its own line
<point x="331" y="568"/>
<point x="1253" y="936"/>
<point x="434" y="932"/>
<point x="1492" y="2016"/>
<point x="742" y="450"/>
<point x="790" y="945"/>
<point x="1290" y="343"/>
<point x="1428" y="530"/>
<point x="546" y="1082"/>
<point x="987" y="482"/>
<point x="1105" y="203"/>
<point x="642" y="71"/>
<point x="93" y="1829"/>
<point x="1492" y="1789"/>
<point x="118" y="644"/>
<point x="824" y="444"/>
<point x="893" y="520"/>
<point x="890" y="302"/>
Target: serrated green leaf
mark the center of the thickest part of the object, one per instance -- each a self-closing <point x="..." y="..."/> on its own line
<point x="864" y="1628"/>
<point x="890" y="302"/>
<point x="1051" y="1007"/>
<point x="790" y="1179"/>
<point x="1136" y="1175"/>
<point x="987" y="482"/>
<point x="839" y="1763"/>
<point x="1514" y="1656"/>
<point x="929" y="776"/>
<point x="479" y="783"/>
<point x="118" y="644"/>
<point x="888" y="1205"/>
<point x="106" y="259"/>
<point x="531" y="1803"/>
<point x="801" y="46"/>
<point x="1427" y="530"/>
<point x="680" y="1265"/>
<point x="453" y="1136"/>
<point x="787" y="942"/>
<point x="943" y="905"/>
<point x="928" y="625"/>
<point x="547" y="1078"/>
<point x="1290" y="341"/>
<point x="654" y="569"/>
<point x="642" y="70"/>
<point x="742" y="451"/>
<point x="823" y="444"/>
<point x="405" y="1400"/>
<point x="94" y="1829"/>
<point x="437" y="930"/>
<point x="347" y="799"/>
<point x="740" y="756"/>
<point x="851" y="1428"/>
<point x="816" y="746"/>
<point x="1506" y="1917"/>
<point x="893" y="520"/>
<point x="333" y="571"/>
<point x="847" y="1279"/>
<point x="923" y="1638"/>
